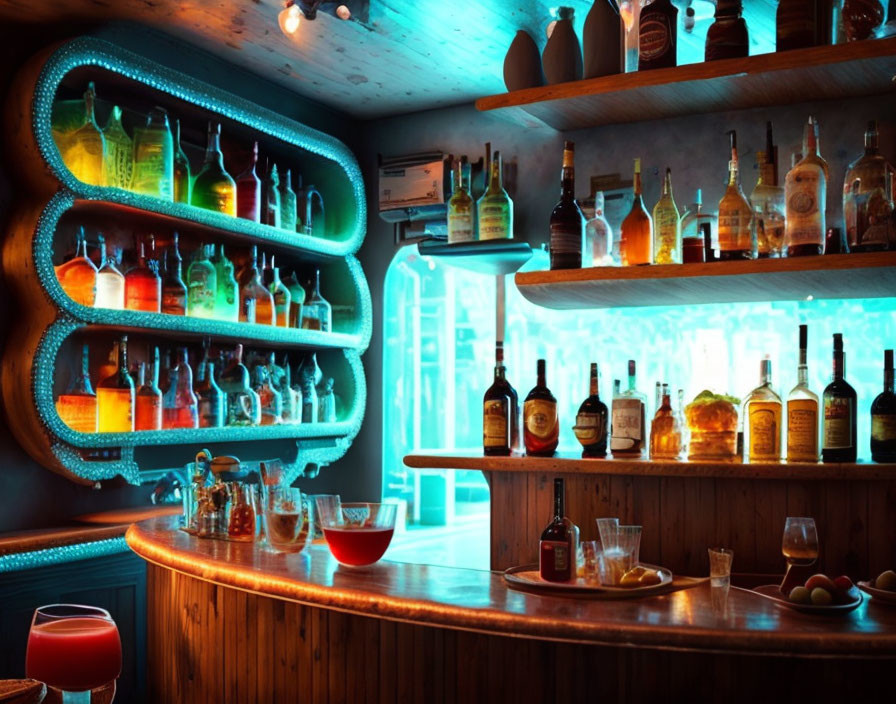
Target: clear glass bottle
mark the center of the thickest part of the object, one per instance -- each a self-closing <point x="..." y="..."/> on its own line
<point x="211" y="400"/>
<point x="592" y="420"/>
<point x="174" y="290"/>
<point x="666" y="226"/>
<point x="326" y="412"/>
<point x="839" y="419"/>
<point x="805" y="190"/>
<point x="270" y="399"/>
<point x="768" y="201"/>
<point x="183" y="179"/>
<point x="695" y="216"/>
<point x="243" y="406"/>
<point x="109" y="281"/>
<point x="282" y="303"/>
<point x="296" y="299"/>
<point x="628" y="429"/>
<point x="567" y="223"/>
<point x="802" y="412"/>
<point x="317" y="313"/>
<point x="214" y="188"/>
<point x="281" y="380"/>
<point x="256" y="302"/>
<point x="762" y="418"/>
<point x="288" y="213"/>
<point x="636" y="238"/>
<point x="309" y="376"/>
<point x="460" y="208"/>
<point x="142" y="285"/>
<point x="310" y="204"/>
<point x="541" y="425"/>
<point x="77" y="276"/>
<point x="665" y="430"/>
<point x="248" y="191"/>
<point x="227" y="297"/>
<point x="154" y="157"/>
<point x="494" y="208"/>
<point x="270" y="197"/>
<point x="180" y="407"/>
<point x="735" y="214"/>
<point x="115" y="396"/>
<point x="883" y="417"/>
<point x="84" y="151"/>
<point x="499" y="411"/>
<point x="599" y="236"/>
<point x="148" y="406"/>
<point x="868" y="198"/>
<point x="202" y="285"/>
<point x="682" y="424"/>
<point x="77" y="407"/>
<point x="119" y="166"/>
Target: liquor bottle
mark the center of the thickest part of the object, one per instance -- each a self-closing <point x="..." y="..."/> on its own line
<point x="727" y="36"/>
<point x="556" y="555"/>
<point x="296" y="299"/>
<point x="256" y="302"/>
<point x="494" y="208"/>
<point x="768" y="201"/>
<point x="658" y="35"/>
<point x="174" y="290"/>
<point x="119" y="166"/>
<point x="213" y="188"/>
<point x="665" y="430"/>
<point x="867" y="202"/>
<point x="148" y="405"/>
<point x="180" y="407"/>
<point x="183" y="179"/>
<point x="270" y="399"/>
<point x="227" y="297"/>
<point x="762" y="410"/>
<point x="795" y="24"/>
<point x="567" y="222"/>
<point x="115" y="396"/>
<point x="109" y="282"/>
<point x="310" y="206"/>
<point x="540" y="422"/>
<point x="805" y="189"/>
<point x="242" y="404"/>
<point x="77" y="407"/>
<point x="500" y="411"/>
<point x="280" y="380"/>
<point x="326" y="412"/>
<point x="248" y="191"/>
<point x="309" y="375"/>
<point x="77" y="276"/>
<point x="883" y="417"/>
<point x="210" y="398"/>
<point x="317" y="314"/>
<point x="802" y="413"/>
<point x="270" y="197"/>
<point x="666" y="226"/>
<point x="591" y="421"/>
<point x="282" y="303"/>
<point x="84" y="151"/>
<point x="695" y="216"/>
<point x="735" y="214"/>
<point x="599" y="237"/>
<point x="636" y="238"/>
<point x="627" y="439"/>
<point x="839" y="424"/>
<point x="287" y="203"/>
<point x="143" y="286"/>
<point x="202" y="284"/>
<point x="154" y="157"/>
<point x="460" y="208"/>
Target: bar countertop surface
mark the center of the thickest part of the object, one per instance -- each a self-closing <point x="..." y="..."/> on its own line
<point x="481" y="601"/>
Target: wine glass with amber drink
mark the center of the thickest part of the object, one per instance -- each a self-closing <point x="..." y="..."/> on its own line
<point x="800" y="548"/>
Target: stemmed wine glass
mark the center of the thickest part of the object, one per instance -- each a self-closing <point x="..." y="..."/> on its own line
<point x="74" y="649"/>
<point x="800" y="548"/>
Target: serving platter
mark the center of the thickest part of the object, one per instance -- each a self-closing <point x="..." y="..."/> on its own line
<point x="878" y="596"/>
<point x="774" y="593"/>
<point x="527" y="578"/>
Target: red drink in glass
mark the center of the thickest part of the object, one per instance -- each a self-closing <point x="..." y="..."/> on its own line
<point x="354" y="545"/>
<point x="74" y="654"/>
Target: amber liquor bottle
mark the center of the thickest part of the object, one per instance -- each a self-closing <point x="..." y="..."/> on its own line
<point x="658" y="35"/>
<point x="636" y="238"/>
<point x="500" y="411"/>
<point x="591" y="421"/>
<point x="839" y="428"/>
<point x="736" y="236"/>
<point x="541" y="426"/>
<point x="555" y="548"/>
<point x="883" y="417"/>
<point x="567" y="222"/>
<point x="115" y="396"/>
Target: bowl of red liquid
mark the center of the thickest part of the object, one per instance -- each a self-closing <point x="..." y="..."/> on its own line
<point x="356" y="533"/>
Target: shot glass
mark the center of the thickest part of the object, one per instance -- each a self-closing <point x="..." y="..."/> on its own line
<point x="289" y="517"/>
<point x="720" y="567"/>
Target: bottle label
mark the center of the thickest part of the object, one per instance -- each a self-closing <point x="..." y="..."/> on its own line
<point x="765" y="435"/>
<point x="838" y="415"/>
<point x="495" y="426"/>
<point x="589" y="428"/>
<point x="542" y="426"/>
<point x="804" y="203"/>
<point x="566" y="239"/>
<point x="883" y="427"/>
<point x="494" y="222"/>
<point x="460" y="227"/>
<point x="734" y="229"/>
<point x="655" y="37"/>
<point x="555" y="556"/>
<point x="627" y="430"/>
<point x="78" y="412"/>
<point x="802" y="430"/>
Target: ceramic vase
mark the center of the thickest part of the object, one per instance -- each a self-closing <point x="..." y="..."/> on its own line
<point x="522" y="64"/>
<point x="562" y="57"/>
<point x="602" y="39"/>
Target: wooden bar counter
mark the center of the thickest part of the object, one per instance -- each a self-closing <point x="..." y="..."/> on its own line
<point x="229" y="622"/>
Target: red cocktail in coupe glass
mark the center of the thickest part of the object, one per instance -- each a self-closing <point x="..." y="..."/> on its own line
<point x="73" y="649"/>
<point x="357" y="533"/>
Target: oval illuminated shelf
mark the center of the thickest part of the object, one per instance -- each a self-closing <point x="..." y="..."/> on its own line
<point x="816" y="73"/>
<point x="866" y="275"/>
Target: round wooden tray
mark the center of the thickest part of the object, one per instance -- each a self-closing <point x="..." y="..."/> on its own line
<point x="773" y="592"/>
<point x="878" y="596"/>
<point x="527" y="578"/>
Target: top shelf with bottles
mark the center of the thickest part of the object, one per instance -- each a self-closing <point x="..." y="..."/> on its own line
<point x="816" y="73"/>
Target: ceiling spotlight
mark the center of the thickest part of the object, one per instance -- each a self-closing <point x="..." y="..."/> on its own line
<point x="343" y="13"/>
<point x="290" y="18"/>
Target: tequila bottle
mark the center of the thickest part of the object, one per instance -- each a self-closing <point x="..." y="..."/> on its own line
<point x="599" y="237"/>
<point x="805" y="191"/>
<point x="665" y="430"/>
<point x="77" y="407"/>
<point x="213" y="188"/>
<point x="296" y="299"/>
<point x="119" y="166"/>
<point x="180" y="407"/>
<point x="317" y="314"/>
<point x="211" y="406"/>
<point x="281" y="296"/>
<point x="636" y="239"/>
<point x="115" y="396"/>
<point x="326" y="412"/>
<point x="735" y="214"/>
<point x="154" y="157"/>
<point x="77" y="276"/>
<point x="256" y="302"/>
<point x="143" y="286"/>
<point x="309" y="375"/>
<point x="109" y="282"/>
<point x="310" y="206"/>
<point x="174" y="290"/>
<point x="270" y="199"/>
<point x="868" y="199"/>
<point x="248" y="191"/>
<point x="628" y="430"/>
<point x="84" y="151"/>
<point x="201" y="285"/>
<point x="183" y="179"/>
<point x="270" y="399"/>
<point x="148" y="408"/>
<point x="666" y="226"/>
<point x="227" y="297"/>
<point x="768" y="202"/>
<point x="802" y="412"/>
<point x="494" y="208"/>
<point x="242" y="404"/>
<point x="762" y="414"/>
<point x="567" y="223"/>
<point x="460" y="208"/>
<point x="287" y="203"/>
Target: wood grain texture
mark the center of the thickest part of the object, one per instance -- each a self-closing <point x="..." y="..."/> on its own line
<point x="869" y="275"/>
<point x="816" y="73"/>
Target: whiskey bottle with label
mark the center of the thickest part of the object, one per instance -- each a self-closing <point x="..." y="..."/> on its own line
<point x="805" y="191"/>
<point x="628" y="431"/>
<point x="556" y="551"/>
<point x="762" y="411"/>
<point x="666" y="226"/>
<point x="658" y="35"/>
<point x="500" y="411"/>
<point x="541" y="426"/>
<point x="591" y="421"/>
<point x="495" y="209"/>
<point x="735" y="214"/>
<point x="839" y="424"/>
<point x="460" y="207"/>
<point x="567" y="221"/>
<point x="883" y="417"/>
<point x="665" y="430"/>
<point x="802" y="413"/>
<point x="636" y="238"/>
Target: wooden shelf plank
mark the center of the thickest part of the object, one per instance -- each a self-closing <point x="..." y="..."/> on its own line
<point x="816" y="73"/>
<point x="493" y="257"/>
<point x="867" y="275"/>
<point x="567" y="463"/>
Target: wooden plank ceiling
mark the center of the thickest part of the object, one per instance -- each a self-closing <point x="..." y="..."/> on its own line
<point x="411" y="54"/>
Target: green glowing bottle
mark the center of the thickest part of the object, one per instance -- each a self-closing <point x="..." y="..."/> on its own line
<point x="183" y="180"/>
<point x="119" y="167"/>
<point x="213" y="188"/>
<point x="84" y="152"/>
<point x="287" y="203"/>
<point x="227" y="299"/>
<point x="154" y="157"/>
<point x="201" y="285"/>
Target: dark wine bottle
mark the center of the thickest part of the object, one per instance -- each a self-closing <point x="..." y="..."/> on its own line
<point x="555" y="549"/>
<point x="883" y="417"/>
<point x="541" y="425"/>
<point x="500" y="411"/>
<point x="839" y="429"/>
<point x="567" y="222"/>
<point x="591" y="421"/>
<point x="658" y="35"/>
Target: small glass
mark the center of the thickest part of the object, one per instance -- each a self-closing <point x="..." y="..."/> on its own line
<point x="593" y="557"/>
<point x="693" y="250"/>
<point x="356" y="533"/>
<point x="720" y="560"/>
<point x="799" y="545"/>
<point x="615" y="562"/>
<point x="288" y="518"/>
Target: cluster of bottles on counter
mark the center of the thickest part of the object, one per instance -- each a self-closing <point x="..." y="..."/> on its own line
<point x="622" y="428"/>
<point x="775" y="221"/>
<point x="153" y="163"/>
<point x="488" y="218"/>
<point x="224" y="392"/>
<point x="211" y="287"/>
